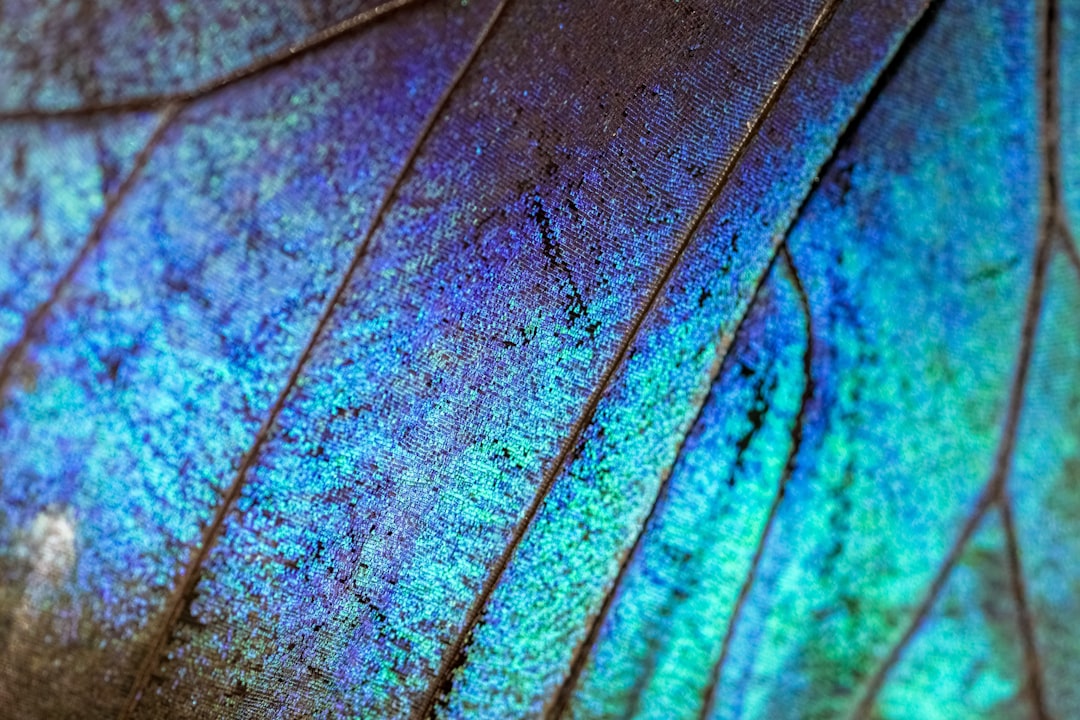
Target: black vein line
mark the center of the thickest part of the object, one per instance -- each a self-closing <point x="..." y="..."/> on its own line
<point x="561" y="701"/>
<point x="1054" y="219"/>
<point x="35" y="320"/>
<point x="151" y="102"/>
<point x="994" y="486"/>
<point x="797" y="432"/>
<point x="455" y="656"/>
<point x="1032" y="664"/>
<point x="180" y="599"/>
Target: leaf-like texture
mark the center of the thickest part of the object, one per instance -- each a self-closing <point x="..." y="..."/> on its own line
<point x="1046" y="491"/>
<point x="149" y="378"/>
<point x="653" y="656"/>
<point x="74" y="55"/>
<point x="917" y="252"/>
<point x="966" y="661"/>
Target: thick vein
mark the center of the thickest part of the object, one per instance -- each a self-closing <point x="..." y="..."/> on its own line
<point x="150" y="102"/>
<point x="797" y="432"/>
<point x="35" y="320"/>
<point x="561" y="699"/>
<point x="185" y="584"/>
<point x="454" y="656"/>
<point x="1032" y="662"/>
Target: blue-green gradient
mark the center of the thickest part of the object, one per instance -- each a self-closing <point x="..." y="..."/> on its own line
<point x="573" y="302"/>
<point x="916" y="250"/>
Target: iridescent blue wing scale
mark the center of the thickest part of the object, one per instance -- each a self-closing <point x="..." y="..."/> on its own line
<point x="500" y="359"/>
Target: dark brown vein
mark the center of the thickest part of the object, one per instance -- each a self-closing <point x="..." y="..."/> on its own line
<point x="178" y="603"/>
<point x="32" y="327"/>
<point x="876" y="681"/>
<point x="1032" y="662"/>
<point x="562" y="697"/>
<point x="797" y="431"/>
<point x="151" y="102"/>
<point x="455" y="656"/>
<point x="994" y="486"/>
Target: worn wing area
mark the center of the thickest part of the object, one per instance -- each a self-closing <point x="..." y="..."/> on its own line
<point x="67" y="55"/>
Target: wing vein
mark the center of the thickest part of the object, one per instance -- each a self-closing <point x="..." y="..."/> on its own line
<point x="35" y="319"/>
<point x="994" y="486"/>
<point x="185" y="584"/>
<point x="1032" y="662"/>
<point x="797" y="433"/>
<point x="151" y="102"/>
<point x="1051" y="225"/>
<point x="562" y="696"/>
<point x="454" y="656"/>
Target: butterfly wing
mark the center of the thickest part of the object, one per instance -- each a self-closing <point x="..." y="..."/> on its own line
<point x="360" y="383"/>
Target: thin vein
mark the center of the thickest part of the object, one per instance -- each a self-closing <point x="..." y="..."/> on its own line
<point x="451" y="658"/>
<point x="991" y="490"/>
<point x="1068" y="246"/>
<point x="1032" y="663"/>
<point x="36" y="319"/>
<point x="150" y="102"/>
<point x="185" y="584"/>
<point x="797" y="432"/>
<point x="561" y="701"/>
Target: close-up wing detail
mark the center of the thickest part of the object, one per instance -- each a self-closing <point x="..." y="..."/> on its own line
<point x="540" y="359"/>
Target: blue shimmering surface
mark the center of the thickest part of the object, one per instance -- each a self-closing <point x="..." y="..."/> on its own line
<point x="916" y="251"/>
<point x="1046" y="489"/>
<point x="163" y="356"/>
<point x="58" y="179"/>
<point x="494" y="339"/>
<point x="68" y="55"/>
<point x="466" y="348"/>
<point x="967" y="659"/>
<point x="1069" y="69"/>
<point x="659" y="641"/>
<point x="540" y="611"/>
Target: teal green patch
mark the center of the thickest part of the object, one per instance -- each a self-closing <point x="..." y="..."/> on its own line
<point x="966" y="660"/>
<point x="1046" y="489"/>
